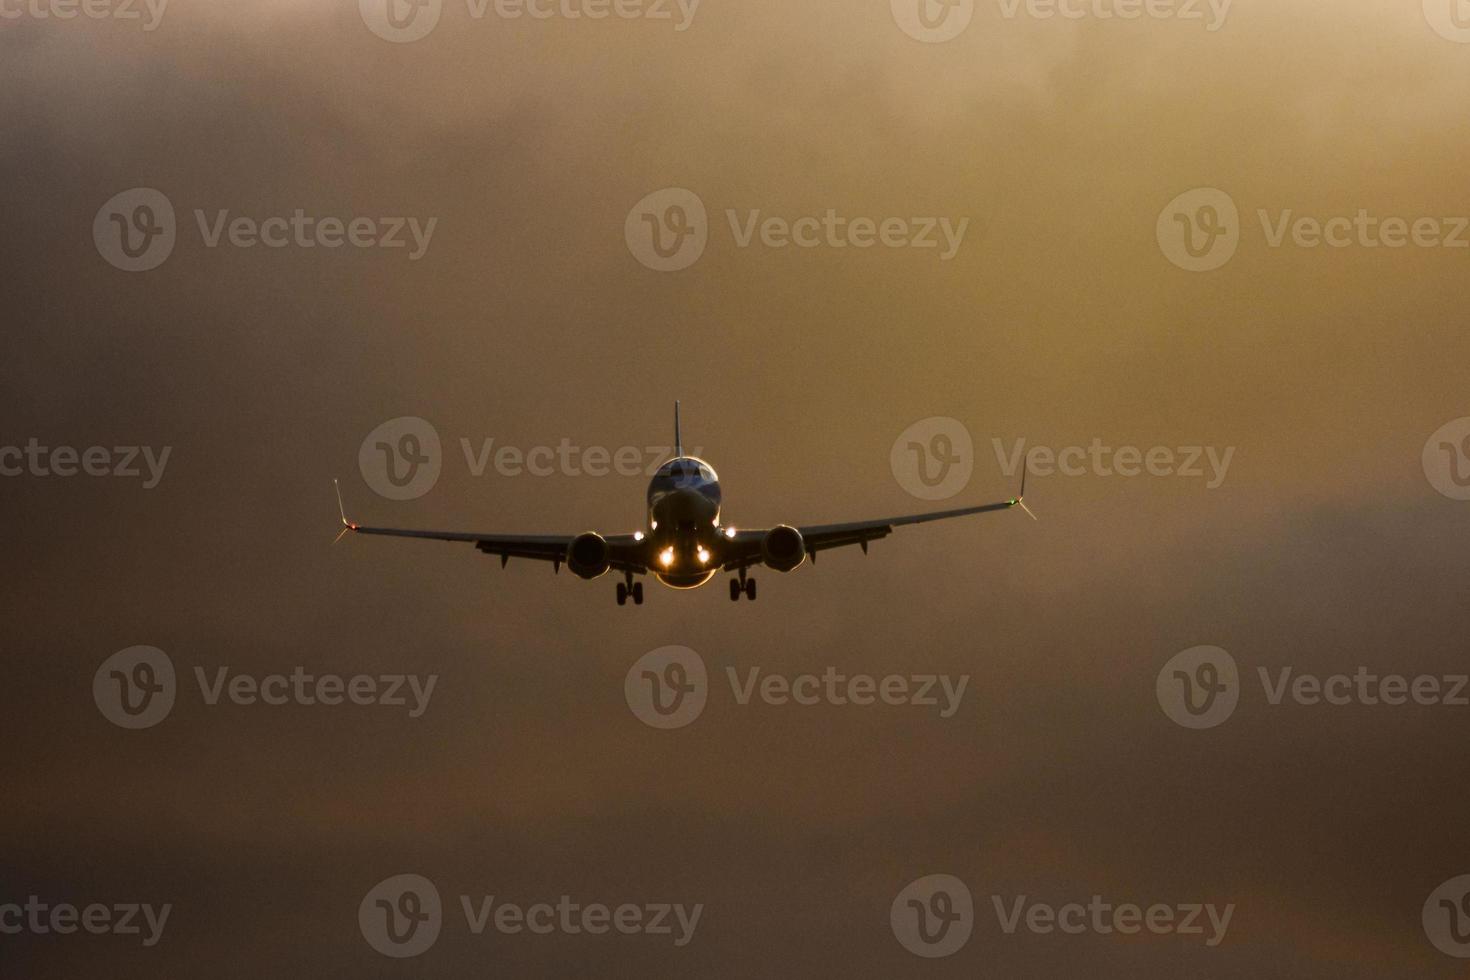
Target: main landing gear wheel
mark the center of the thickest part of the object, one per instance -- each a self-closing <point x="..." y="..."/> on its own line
<point x="637" y="593"/>
<point x="750" y="589"/>
<point x="622" y="594"/>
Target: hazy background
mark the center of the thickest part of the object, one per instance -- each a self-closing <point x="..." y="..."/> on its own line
<point x="529" y="321"/>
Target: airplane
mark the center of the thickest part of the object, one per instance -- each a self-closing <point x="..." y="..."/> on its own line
<point x="685" y="544"/>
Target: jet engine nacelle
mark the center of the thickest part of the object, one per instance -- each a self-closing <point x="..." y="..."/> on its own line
<point x="783" y="548"/>
<point x="588" y="556"/>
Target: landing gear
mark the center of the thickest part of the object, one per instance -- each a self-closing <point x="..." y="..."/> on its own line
<point x="742" y="585"/>
<point x="630" y="590"/>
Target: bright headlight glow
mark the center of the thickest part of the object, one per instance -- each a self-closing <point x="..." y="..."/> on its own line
<point x="637" y="535"/>
<point x="729" y="532"/>
<point x="666" y="557"/>
<point x="703" y="556"/>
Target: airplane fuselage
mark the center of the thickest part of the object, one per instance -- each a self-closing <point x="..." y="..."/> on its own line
<point x="684" y="522"/>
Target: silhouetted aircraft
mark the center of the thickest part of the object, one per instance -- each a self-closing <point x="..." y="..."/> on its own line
<point x="685" y="544"/>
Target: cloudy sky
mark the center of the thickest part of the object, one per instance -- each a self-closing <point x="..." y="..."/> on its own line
<point x="1235" y="233"/>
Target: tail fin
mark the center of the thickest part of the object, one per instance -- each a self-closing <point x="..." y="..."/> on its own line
<point x="678" y="442"/>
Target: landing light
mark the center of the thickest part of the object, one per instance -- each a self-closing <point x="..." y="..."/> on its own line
<point x="637" y="535"/>
<point x="703" y="556"/>
<point x="666" y="557"/>
<point x="729" y="532"/>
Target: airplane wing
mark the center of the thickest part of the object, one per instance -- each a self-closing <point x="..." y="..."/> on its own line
<point x="626" y="552"/>
<point x="745" y="547"/>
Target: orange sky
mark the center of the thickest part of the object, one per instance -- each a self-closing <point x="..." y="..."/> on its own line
<point x="1059" y="320"/>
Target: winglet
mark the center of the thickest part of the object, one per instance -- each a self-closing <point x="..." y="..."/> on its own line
<point x="678" y="442"/>
<point x="342" y="511"/>
<point x="1020" y="500"/>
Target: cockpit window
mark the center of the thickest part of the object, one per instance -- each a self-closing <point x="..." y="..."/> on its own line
<point x="682" y="473"/>
<point x="687" y="469"/>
